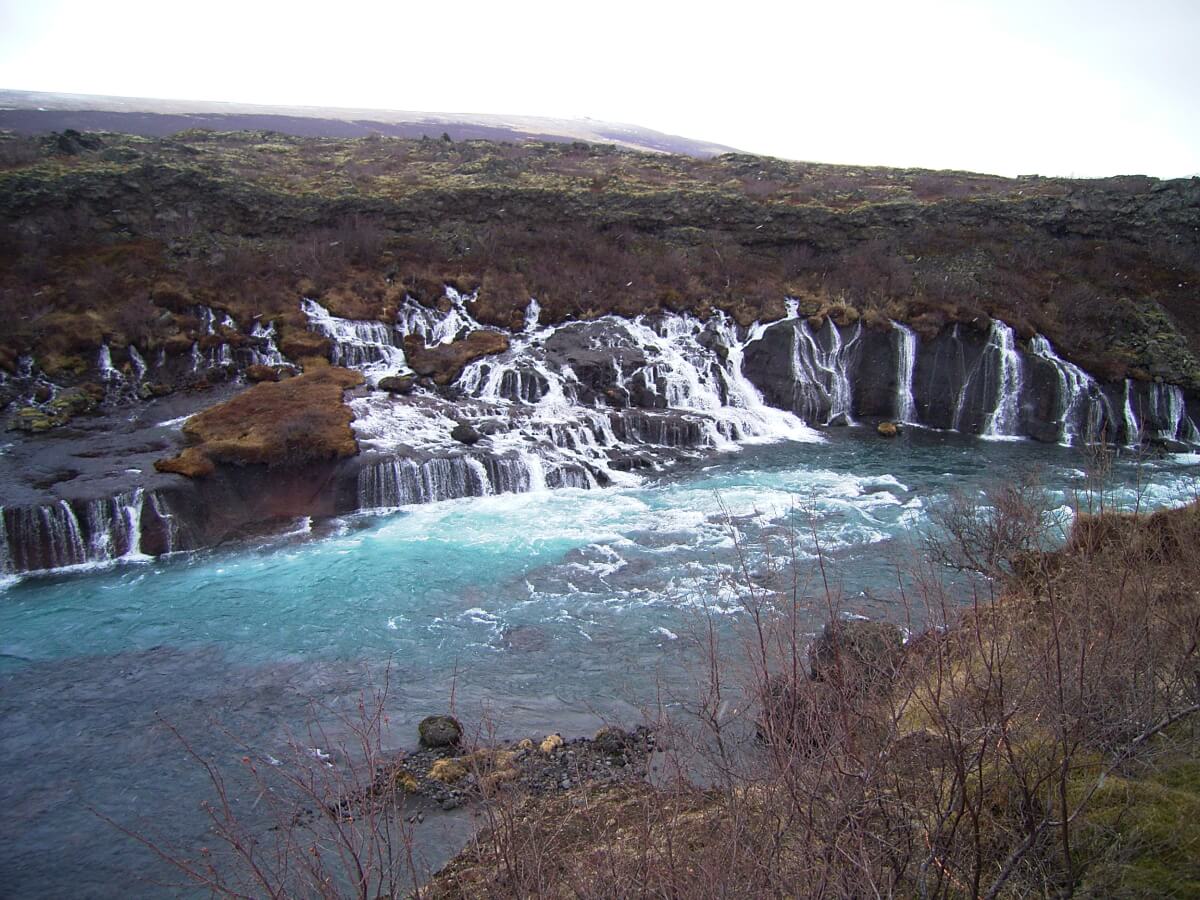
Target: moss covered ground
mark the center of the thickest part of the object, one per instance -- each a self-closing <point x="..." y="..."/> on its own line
<point x="113" y="238"/>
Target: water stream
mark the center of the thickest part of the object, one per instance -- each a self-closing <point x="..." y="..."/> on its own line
<point x="544" y="609"/>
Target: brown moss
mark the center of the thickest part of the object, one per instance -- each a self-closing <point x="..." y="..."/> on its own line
<point x="293" y="422"/>
<point x="298" y="344"/>
<point x="191" y="463"/>
<point x="445" y="362"/>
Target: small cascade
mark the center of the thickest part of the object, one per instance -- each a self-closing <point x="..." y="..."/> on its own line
<point x="820" y="368"/>
<point x="163" y="513"/>
<point x="139" y="364"/>
<point x="434" y="326"/>
<point x="1081" y="408"/>
<point x="906" y="363"/>
<point x="62" y="534"/>
<point x="402" y="481"/>
<point x="1131" y="428"/>
<point x="357" y="343"/>
<point x="1002" y="366"/>
<point x="208" y="319"/>
<point x="1168" y="414"/>
<point x="532" y="312"/>
<point x="108" y="373"/>
<point x="265" y="352"/>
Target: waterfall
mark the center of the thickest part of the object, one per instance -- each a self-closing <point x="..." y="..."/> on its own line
<point x="266" y="353"/>
<point x="1129" y="422"/>
<point x="401" y="481"/>
<point x="435" y="326"/>
<point x="906" y="361"/>
<point x="66" y="533"/>
<point x="104" y="363"/>
<point x="532" y="312"/>
<point x="1168" y="412"/>
<point x="138" y="363"/>
<point x="357" y="343"/>
<point x="820" y="367"/>
<point x="1005" y="376"/>
<point x="1080" y="407"/>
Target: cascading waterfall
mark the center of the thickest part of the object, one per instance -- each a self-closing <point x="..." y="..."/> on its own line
<point x="820" y="367"/>
<point x="1169" y="413"/>
<point x="1003" y="367"/>
<point x="63" y="534"/>
<point x="435" y="326"/>
<point x="108" y="373"/>
<point x="402" y="481"/>
<point x="265" y="353"/>
<point x="357" y="343"/>
<point x="906" y="362"/>
<point x="1081" y="408"/>
<point x="139" y="364"/>
<point x="1132" y="429"/>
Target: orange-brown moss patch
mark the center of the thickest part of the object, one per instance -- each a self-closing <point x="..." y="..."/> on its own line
<point x="445" y="362"/>
<point x="297" y="421"/>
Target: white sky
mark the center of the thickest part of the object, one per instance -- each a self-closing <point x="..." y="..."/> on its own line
<point x="1059" y="87"/>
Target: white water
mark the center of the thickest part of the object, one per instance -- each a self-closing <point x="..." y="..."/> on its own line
<point x="1082" y="408"/>
<point x="820" y="367"/>
<point x="1002" y="420"/>
<point x="104" y="364"/>
<point x="368" y="346"/>
<point x="906" y="361"/>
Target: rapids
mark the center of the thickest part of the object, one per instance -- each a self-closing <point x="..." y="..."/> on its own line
<point x="542" y="610"/>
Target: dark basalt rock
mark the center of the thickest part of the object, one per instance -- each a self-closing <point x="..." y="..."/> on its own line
<point x="398" y="384"/>
<point x="465" y="433"/>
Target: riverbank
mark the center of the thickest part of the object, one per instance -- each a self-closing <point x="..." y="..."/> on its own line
<point x="1044" y="741"/>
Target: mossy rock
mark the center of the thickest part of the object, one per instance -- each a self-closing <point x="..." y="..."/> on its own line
<point x="398" y="384"/>
<point x="440" y="731"/>
<point x="448" y="771"/>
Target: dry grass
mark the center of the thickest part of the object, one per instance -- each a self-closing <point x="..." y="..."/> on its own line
<point x="1016" y="750"/>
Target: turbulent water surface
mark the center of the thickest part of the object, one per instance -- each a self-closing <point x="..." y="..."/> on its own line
<point x="542" y="610"/>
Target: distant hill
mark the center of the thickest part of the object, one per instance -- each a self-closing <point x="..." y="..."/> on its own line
<point x="33" y="112"/>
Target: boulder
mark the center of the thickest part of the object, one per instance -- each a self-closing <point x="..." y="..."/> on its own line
<point x="257" y="373"/>
<point x="465" y="433"/>
<point x="612" y="740"/>
<point x="440" y="731"/>
<point x="398" y="384"/>
<point x="887" y="429"/>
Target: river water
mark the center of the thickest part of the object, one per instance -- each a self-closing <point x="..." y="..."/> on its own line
<point x="541" y="611"/>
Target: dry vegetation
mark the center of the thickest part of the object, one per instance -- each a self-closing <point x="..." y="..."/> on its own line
<point x="1041" y="742"/>
<point x="111" y="237"/>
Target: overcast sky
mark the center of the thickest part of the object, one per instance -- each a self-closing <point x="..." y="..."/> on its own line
<point x="1084" y="87"/>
